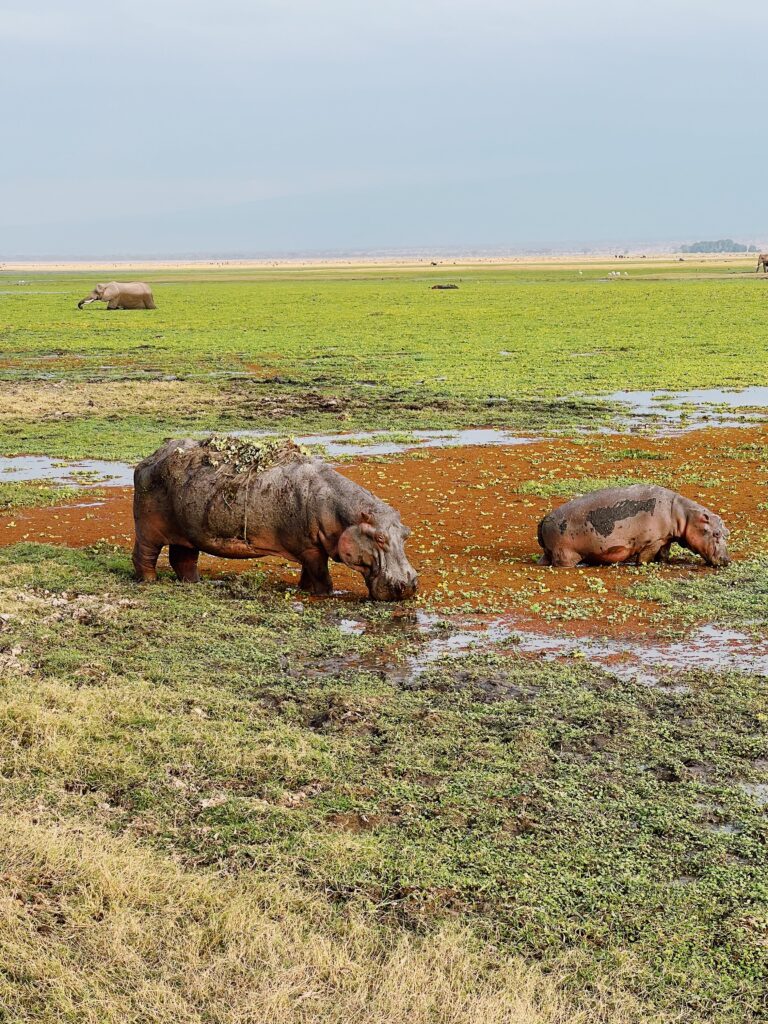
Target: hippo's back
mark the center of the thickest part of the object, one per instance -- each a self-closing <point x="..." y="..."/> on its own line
<point x="600" y="513"/>
<point x="155" y="470"/>
<point x="604" y="508"/>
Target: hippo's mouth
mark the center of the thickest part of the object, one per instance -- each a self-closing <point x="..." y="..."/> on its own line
<point x="382" y="589"/>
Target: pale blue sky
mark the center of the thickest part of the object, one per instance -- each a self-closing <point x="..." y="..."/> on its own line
<point x="268" y="126"/>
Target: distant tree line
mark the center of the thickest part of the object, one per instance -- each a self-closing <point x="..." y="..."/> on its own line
<point x="721" y="245"/>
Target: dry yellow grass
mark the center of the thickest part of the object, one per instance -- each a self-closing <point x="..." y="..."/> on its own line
<point x="96" y="929"/>
<point x="31" y="402"/>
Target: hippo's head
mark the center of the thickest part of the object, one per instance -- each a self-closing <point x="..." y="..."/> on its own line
<point x="707" y="535"/>
<point x="378" y="552"/>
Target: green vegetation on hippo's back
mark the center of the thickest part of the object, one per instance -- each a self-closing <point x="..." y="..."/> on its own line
<point x="367" y="348"/>
<point x="252" y="455"/>
<point x="611" y="830"/>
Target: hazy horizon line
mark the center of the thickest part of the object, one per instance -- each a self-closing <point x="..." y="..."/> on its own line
<point x="602" y="248"/>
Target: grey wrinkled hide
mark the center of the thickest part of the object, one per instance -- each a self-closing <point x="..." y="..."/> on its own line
<point x="304" y="511"/>
<point x="623" y="524"/>
<point x="121" y="295"/>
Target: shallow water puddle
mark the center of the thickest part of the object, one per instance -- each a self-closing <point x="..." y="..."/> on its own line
<point x="656" y="664"/>
<point x="86" y="472"/>
<point x="707" y="647"/>
<point x="689" y="410"/>
<point x="381" y="443"/>
<point x="758" y="791"/>
<point x="120" y="474"/>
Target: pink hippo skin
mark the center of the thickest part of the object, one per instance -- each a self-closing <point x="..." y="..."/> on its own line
<point x="630" y="524"/>
<point x="303" y="510"/>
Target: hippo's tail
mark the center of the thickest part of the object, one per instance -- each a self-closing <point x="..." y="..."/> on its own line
<point x="540" y="535"/>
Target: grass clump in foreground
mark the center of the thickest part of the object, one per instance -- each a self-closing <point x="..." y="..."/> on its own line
<point x="96" y="927"/>
<point x="198" y="781"/>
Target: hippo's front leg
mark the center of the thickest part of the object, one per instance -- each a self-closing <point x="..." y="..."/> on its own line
<point x="651" y="552"/>
<point x="662" y="554"/>
<point x="315" y="577"/>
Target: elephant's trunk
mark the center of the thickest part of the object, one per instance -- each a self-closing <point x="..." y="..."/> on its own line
<point x="85" y="301"/>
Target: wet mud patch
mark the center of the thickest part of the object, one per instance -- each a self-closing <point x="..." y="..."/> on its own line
<point x="277" y="397"/>
<point x="433" y="651"/>
<point x="657" y="663"/>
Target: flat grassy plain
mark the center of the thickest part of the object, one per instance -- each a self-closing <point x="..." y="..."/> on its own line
<point x="221" y="804"/>
<point x="364" y="348"/>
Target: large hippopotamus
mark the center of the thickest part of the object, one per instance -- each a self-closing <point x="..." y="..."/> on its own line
<point x="630" y="524"/>
<point x="302" y="510"/>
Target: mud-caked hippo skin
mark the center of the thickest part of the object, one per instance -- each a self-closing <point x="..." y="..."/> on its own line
<point x="303" y="510"/>
<point x="630" y="524"/>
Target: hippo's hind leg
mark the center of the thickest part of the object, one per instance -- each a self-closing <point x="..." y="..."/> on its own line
<point x="145" y="556"/>
<point x="315" y="577"/>
<point x="564" y="558"/>
<point x="184" y="563"/>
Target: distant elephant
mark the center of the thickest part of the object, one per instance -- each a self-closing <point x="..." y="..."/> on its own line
<point x="133" y="295"/>
<point x="762" y="261"/>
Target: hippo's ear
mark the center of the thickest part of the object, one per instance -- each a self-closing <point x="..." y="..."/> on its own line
<point x="366" y="523"/>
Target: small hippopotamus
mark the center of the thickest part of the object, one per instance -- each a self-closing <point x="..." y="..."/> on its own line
<point x="630" y="524"/>
<point x="301" y="510"/>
